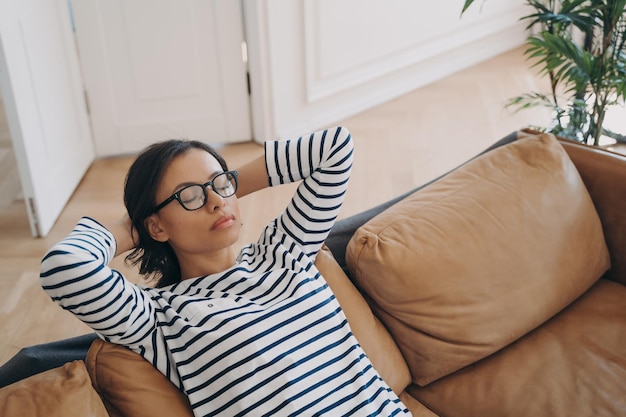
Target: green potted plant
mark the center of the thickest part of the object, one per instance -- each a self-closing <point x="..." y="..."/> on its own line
<point x="581" y="46"/>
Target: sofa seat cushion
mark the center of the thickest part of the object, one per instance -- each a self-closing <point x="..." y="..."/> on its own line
<point x="574" y="365"/>
<point x="64" y="392"/>
<point x="469" y="264"/>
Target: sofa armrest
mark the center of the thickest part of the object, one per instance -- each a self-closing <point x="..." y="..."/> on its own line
<point x="33" y="360"/>
<point x="604" y="175"/>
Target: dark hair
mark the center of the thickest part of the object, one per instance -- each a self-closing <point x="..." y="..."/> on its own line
<point x="157" y="260"/>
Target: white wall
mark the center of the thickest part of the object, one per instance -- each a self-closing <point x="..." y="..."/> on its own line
<point x="314" y="62"/>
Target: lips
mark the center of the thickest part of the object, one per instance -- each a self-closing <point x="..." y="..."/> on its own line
<point x="223" y="222"/>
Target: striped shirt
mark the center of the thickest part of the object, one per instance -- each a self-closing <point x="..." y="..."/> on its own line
<point x="265" y="337"/>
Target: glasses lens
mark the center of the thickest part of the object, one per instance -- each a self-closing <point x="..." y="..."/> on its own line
<point x="225" y="184"/>
<point x="192" y="197"/>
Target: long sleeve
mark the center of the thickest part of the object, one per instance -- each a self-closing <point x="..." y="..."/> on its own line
<point x="323" y="160"/>
<point x="74" y="273"/>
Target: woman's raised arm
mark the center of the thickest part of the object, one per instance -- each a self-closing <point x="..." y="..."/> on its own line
<point x="323" y="160"/>
<point x="252" y="177"/>
<point x="76" y="275"/>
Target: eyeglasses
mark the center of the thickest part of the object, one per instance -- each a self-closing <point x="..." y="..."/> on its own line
<point x="194" y="196"/>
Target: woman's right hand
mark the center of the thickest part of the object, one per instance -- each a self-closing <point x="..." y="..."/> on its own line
<point x="125" y="235"/>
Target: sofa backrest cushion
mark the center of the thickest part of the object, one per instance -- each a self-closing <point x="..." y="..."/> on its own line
<point x="469" y="264"/>
<point x="61" y="392"/>
<point x="131" y="386"/>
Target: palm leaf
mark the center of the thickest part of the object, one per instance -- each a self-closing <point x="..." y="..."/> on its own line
<point x="576" y="12"/>
<point x="466" y="6"/>
<point x="528" y="100"/>
<point x="566" y="61"/>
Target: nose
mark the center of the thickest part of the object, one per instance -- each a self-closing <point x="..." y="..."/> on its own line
<point x="214" y="201"/>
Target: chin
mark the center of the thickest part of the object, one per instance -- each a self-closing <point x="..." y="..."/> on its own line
<point x="232" y="234"/>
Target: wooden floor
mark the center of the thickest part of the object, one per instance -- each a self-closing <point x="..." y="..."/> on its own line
<point x="399" y="145"/>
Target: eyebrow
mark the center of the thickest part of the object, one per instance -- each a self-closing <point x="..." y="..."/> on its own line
<point x="188" y="183"/>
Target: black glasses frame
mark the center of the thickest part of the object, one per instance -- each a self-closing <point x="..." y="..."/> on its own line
<point x="176" y="196"/>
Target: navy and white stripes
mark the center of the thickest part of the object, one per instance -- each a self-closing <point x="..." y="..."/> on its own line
<point x="265" y="337"/>
<point x="323" y="160"/>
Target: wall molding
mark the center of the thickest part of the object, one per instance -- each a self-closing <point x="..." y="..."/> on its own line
<point x="321" y="84"/>
<point x="292" y="93"/>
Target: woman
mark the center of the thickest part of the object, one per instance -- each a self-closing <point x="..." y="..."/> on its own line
<point x="257" y="333"/>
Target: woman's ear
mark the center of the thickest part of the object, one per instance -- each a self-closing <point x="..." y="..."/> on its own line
<point x="154" y="228"/>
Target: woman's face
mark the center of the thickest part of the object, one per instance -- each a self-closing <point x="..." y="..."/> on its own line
<point x="213" y="227"/>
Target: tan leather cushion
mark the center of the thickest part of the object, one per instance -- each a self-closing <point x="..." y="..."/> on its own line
<point x="130" y="386"/>
<point x="574" y="365"/>
<point x="368" y="330"/>
<point x="64" y="392"/>
<point x="416" y="408"/>
<point x="469" y="264"/>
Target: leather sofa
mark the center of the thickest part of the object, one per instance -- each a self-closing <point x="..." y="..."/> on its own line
<point x="498" y="289"/>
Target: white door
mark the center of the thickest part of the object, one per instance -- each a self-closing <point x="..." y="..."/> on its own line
<point x="45" y="105"/>
<point x="158" y="69"/>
